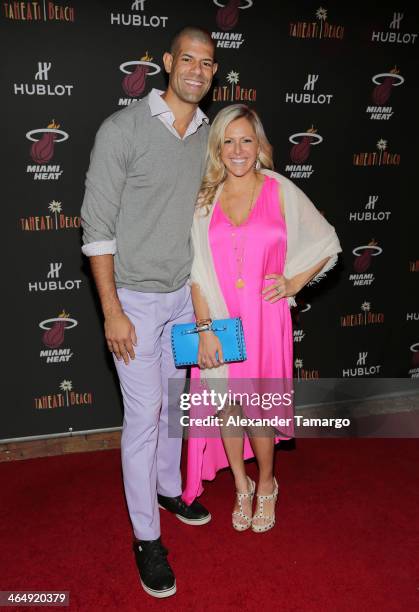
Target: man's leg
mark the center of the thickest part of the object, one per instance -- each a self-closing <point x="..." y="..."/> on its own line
<point x="140" y="382"/>
<point x="170" y="431"/>
<point x="172" y="379"/>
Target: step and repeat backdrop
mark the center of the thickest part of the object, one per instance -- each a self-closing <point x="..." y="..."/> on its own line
<point x="336" y="87"/>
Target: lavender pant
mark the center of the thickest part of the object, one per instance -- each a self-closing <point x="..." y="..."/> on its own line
<point x="150" y="459"/>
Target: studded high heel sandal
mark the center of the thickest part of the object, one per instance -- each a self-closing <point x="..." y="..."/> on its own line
<point x="268" y="520"/>
<point x="242" y="521"/>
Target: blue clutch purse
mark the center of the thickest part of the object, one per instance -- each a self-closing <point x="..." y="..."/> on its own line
<point x="185" y="340"/>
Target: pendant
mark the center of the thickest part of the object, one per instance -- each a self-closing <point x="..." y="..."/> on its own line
<point x="240" y="283"/>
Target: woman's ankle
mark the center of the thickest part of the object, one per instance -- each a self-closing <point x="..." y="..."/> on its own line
<point x="242" y="483"/>
<point x="266" y="485"/>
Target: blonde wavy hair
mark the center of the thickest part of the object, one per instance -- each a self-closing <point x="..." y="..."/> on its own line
<point x="215" y="171"/>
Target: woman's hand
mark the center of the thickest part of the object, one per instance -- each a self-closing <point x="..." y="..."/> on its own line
<point x="209" y="346"/>
<point x="281" y="288"/>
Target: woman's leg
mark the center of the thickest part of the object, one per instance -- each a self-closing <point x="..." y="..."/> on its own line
<point x="233" y="441"/>
<point x="263" y="441"/>
<point x="263" y="448"/>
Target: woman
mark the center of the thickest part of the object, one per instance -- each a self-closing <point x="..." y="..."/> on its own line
<point x="258" y="240"/>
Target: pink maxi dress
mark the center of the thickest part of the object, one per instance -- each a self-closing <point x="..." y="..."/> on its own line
<point x="267" y="327"/>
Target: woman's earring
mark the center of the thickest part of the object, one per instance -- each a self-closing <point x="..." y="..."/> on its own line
<point x="258" y="165"/>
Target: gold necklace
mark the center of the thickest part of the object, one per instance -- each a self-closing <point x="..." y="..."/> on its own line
<point x="239" y="255"/>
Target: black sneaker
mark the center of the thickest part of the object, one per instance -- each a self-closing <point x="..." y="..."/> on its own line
<point x="156" y="574"/>
<point x="195" y="514"/>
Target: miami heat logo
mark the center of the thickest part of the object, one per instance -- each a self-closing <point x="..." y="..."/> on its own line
<point x="53" y="337"/>
<point x="364" y="256"/>
<point x="302" y="306"/>
<point x="42" y="150"/>
<point x="415" y="357"/>
<point x="382" y="91"/>
<point x="301" y="149"/>
<point x="134" y="82"/>
<point x="228" y="14"/>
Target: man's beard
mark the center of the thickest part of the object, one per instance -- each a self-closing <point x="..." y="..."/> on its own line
<point x="190" y="96"/>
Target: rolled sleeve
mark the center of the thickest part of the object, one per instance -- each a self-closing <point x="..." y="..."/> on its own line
<point x="104" y="247"/>
<point x="105" y="181"/>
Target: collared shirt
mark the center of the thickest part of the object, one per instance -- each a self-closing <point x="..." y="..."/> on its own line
<point x="159" y="108"/>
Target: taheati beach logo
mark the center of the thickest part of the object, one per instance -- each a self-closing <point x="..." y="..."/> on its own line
<point x="54" y="221"/>
<point x="381" y="158"/>
<point x="321" y="29"/>
<point x="37" y="11"/>
<point x="67" y="397"/>
<point x="304" y="373"/>
<point x="366" y="316"/>
<point x="233" y="91"/>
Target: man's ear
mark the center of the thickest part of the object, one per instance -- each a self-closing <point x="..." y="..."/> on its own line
<point x="214" y="68"/>
<point x="167" y="61"/>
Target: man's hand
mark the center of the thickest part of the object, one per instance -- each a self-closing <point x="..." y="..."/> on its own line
<point x="120" y="336"/>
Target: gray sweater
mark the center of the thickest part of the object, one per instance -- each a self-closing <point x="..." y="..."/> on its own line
<point x="141" y="190"/>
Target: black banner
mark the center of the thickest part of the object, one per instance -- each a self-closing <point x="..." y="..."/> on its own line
<point x="336" y="88"/>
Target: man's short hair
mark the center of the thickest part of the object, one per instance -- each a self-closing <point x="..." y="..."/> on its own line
<point x="193" y="32"/>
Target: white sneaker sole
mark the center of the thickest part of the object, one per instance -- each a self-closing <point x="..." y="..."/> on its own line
<point x="201" y="521"/>
<point x="159" y="594"/>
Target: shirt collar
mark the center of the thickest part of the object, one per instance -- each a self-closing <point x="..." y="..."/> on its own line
<point x="159" y="106"/>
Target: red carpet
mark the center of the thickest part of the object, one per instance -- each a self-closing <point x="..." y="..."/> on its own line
<point x="347" y="535"/>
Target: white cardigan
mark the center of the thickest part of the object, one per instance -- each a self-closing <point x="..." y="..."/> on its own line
<point x="310" y="238"/>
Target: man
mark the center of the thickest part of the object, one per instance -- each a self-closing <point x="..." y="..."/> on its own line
<point x="145" y="171"/>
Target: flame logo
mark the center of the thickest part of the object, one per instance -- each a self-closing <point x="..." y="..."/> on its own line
<point x="382" y="92"/>
<point x="134" y="84"/>
<point x="42" y="150"/>
<point x="53" y="337"/>
<point x="363" y="261"/>
<point x="301" y="151"/>
<point x="228" y="16"/>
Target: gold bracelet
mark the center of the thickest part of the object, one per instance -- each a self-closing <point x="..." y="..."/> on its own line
<point x="203" y="322"/>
